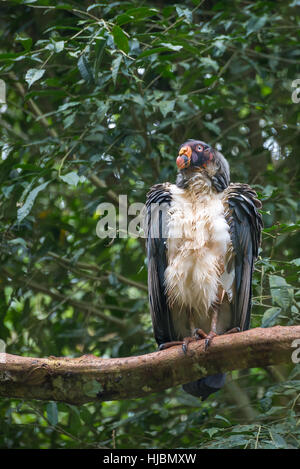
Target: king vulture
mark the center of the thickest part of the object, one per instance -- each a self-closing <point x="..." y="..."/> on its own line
<point x="202" y="234"/>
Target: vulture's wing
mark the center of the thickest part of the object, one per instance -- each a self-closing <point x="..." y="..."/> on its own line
<point x="245" y="230"/>
<point x="157" y="204"/>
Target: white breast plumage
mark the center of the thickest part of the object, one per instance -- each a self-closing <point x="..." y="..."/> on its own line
<point x="198" y="240"/>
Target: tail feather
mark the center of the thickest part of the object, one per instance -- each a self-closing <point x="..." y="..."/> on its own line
<point x="205" y="386"/>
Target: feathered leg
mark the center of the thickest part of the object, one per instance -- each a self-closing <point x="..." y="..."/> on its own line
<point x="199" y="334"/>
<point x="214" y="320"/>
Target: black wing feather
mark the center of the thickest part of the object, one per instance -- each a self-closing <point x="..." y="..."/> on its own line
<point x="158" y="200"/>
<point x="245" y="223"/>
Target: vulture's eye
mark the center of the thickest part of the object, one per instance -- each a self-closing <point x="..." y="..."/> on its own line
<point x="200" y="148"/>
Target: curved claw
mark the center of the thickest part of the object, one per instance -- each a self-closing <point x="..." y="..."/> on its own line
<point x="209" y="339"/>
<point x="207" y="343"/>
<point x="186" y="342"/>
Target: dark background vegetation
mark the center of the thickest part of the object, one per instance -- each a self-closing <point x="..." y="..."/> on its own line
<point x="98" y="98"/>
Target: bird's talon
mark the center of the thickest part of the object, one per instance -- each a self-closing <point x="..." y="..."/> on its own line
<point x="199" y="334"/>
<point x="209" y="339"/>
<point x="185" y="344"/>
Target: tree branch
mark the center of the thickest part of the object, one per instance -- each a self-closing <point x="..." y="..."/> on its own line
<point x="89" y="378"/>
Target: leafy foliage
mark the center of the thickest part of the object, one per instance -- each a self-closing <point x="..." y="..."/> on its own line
<point x="99" y="96"/>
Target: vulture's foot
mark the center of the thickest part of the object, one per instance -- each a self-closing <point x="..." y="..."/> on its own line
<point x="209" y="337"/>
<point x="198" y="334"/>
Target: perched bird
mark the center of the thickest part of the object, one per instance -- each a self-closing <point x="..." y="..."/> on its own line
<point x="203" y="235"/>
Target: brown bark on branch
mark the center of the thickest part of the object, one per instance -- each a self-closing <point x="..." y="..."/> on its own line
<point x="89" y="378"/>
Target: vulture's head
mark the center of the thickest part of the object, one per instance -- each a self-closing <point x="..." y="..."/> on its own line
<point x="197" y="157"/>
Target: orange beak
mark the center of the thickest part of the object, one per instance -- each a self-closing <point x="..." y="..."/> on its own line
<point x="184" y="158"/>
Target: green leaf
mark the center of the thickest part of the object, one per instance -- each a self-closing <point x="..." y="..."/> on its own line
<point x="72" y="178"/>
<point x="256" y="23"/>
<point x="66" y="106"/>
<point x="85" y="69"/>
<point x="69" y="120"/>
<point x="283" y="227"/>
<point x="166" y="106"/>
<point x="12" y="56"/>
<point x="211" y="431"/>
<point x="213" y="127"/>
<point x="281" y="291"/>
<point x="292" y="203"/>
<point x="278" y="440"/>
<point x="123" y="19"/>
<point x="20" y="241"/>
<point x="209" y="63"/>
<point x="296" y="262"/>
<point x="141" y="12"/>
<point x="33" y="75"/>
<point x="115" y="68"/>
<point x="26" y="208"/>
<point x="26" y="41"/>
<point x="221" y="417"/>
<point x="171" y="46"/>
<point x="268" y="191"/>
<point x="99" y="51"/>
<point x="58" y="46"/>
<point x="270" y="316"/>
<point x="266" y="90"/>
<point x="52" y="413"/>
<point x="153" y="51"/>
<point x="120" y="39"/>
<point x="185" y="12"/>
